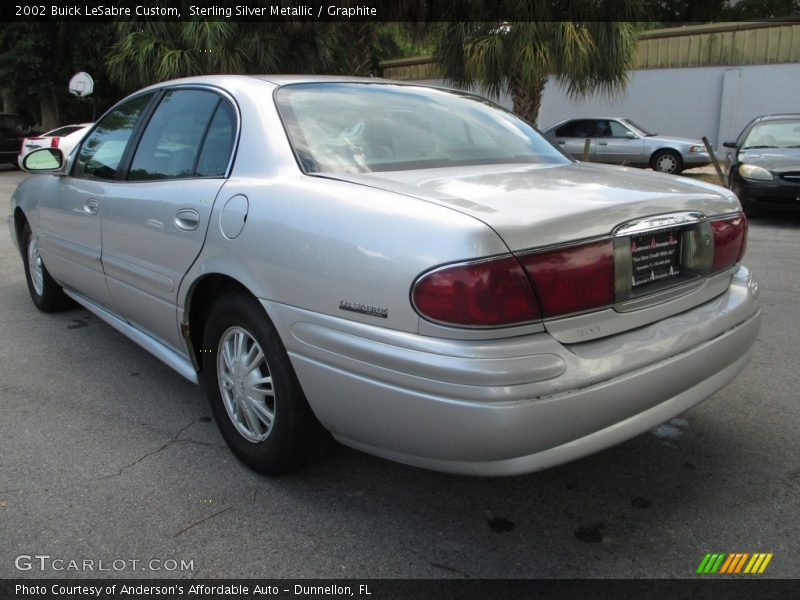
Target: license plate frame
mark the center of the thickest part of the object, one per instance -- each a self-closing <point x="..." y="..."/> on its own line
<point x="658" y="254"/>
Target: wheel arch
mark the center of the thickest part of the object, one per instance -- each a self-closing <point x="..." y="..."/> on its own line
<point x="199" y="300"/>
<point x="664" y="149"/>
<point x="20" y="219"/>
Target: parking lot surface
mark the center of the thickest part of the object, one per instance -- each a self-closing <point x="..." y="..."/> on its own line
<point x="108" y="455"/>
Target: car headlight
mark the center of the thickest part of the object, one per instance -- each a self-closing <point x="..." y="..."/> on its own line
<point x="755" y="172"/>
<point x="697" y="149"/>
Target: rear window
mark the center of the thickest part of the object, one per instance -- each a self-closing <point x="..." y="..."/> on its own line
<point x="359" y="128"/>
<point x="62" y="131"/>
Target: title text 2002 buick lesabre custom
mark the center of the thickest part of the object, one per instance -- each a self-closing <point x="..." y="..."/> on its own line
<point x="416" y="271"/>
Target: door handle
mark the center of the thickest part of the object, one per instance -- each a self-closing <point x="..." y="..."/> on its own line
<point x="187" y="219"/>
<point x="561" y="142"/>
<point x="603" y="143"/>
<point x="90" y="207"/>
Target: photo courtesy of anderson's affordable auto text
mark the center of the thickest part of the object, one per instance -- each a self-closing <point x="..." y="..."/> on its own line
<point x="412" y="300"/>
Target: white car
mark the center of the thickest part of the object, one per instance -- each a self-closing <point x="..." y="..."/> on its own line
<point x="64" y="138"/>
<point x="417" y="271"/>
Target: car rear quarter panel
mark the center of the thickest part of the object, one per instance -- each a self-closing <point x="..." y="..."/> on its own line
<point x="313" y="243"/>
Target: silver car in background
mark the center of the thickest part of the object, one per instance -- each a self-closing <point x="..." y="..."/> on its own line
<point x="619" y="141"/>
<point x="415" y="271"/>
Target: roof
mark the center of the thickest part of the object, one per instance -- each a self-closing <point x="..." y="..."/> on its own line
<point x="778" y="117"/>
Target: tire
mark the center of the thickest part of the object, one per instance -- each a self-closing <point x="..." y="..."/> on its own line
<point x="260" y="408"/>
<point x="667" y="161"/>
<point x="46" y="294"/>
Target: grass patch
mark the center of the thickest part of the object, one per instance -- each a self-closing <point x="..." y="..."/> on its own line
<point x="707" y="177"/>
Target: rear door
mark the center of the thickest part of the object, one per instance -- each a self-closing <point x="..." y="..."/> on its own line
<point x="572" y="136"/>
<point x="155" y="221"/>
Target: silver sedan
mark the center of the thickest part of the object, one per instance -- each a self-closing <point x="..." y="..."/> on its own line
<point x="614" y="140"/>
<point x="417" y="272"/>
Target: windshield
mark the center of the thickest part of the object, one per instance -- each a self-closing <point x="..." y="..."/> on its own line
<point x="639" y="127"/>
<point x="362" y="128"/>
<point x="774" y="134"/>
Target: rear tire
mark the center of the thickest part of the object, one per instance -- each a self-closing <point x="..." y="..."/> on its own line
<point x="46" y="294"/>
<point x="667" y="161"/>
<point x="255" y="396"/>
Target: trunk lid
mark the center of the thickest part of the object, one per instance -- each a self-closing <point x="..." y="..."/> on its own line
<point x="532" y="206"/>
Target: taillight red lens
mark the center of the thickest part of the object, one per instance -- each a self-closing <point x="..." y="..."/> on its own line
<point x="730" y="241"/>
<point x="572" y="278"/>
<point x="488" y="293"/>
<point x="54" y="142"/>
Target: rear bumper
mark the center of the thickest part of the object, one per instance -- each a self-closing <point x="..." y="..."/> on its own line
<point x="510" y="406"/>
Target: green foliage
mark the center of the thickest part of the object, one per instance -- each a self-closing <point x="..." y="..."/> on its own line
<point x="401" y="40"/>
<point x="584" y="54"/>
<point x="153" y="51"/>
<point x="761" y="9"/>
<point x="37" y="60"/>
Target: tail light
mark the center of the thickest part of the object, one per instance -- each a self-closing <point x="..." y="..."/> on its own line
<point x="546" y="284"/>
<point x="54" y="141"/>
<point x="572" y="278"/>
<point x="484" y="293"/>
<point x="509" y="290"/>
<point x="730" y="241"/>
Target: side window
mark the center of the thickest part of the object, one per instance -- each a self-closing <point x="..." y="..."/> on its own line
<point x="171" y="141"/>
<point x="567" y="130"/>
<point x="618" y="130"/>
<point x="582" y="128"/>
<point x="603" y="129"/>
<point x="216" y="152"/>
<point x="102" y="151"/>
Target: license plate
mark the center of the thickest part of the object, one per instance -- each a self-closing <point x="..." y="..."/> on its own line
<point x="655" y="256"/>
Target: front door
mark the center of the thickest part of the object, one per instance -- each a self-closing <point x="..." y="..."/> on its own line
<point x="72" y="207"/>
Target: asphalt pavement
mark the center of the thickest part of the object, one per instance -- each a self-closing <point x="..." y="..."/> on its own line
<point x="107" y="455"/>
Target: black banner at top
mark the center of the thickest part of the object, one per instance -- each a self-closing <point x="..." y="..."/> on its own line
<point x="382" y="11"/>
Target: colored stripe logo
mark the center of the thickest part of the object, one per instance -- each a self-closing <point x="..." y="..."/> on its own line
<point x="734" y="563"/>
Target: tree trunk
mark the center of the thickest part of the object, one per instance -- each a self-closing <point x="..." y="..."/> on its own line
<point x="9" y="101"/>
<point x="527" y="98"/>
<point x="50" y="111"/>
<point x="360" y="60"/>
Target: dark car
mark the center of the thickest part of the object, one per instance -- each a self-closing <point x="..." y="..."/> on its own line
<point x="13" y="130"/>
<point x="765" y="163"/>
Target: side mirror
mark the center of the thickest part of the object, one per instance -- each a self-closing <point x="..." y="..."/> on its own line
<point x="631" y="135"/>
<point x="44" y="160"/>
<point x="729" y="144"/>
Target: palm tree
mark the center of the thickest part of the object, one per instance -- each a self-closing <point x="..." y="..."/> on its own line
<point x="519" y="57"/>
<point x="147" y="52"/>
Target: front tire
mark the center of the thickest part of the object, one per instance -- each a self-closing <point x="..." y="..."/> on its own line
<point x="667" y="161"/>
<point x="46" y="294"/>
<point x="255" y="396"/>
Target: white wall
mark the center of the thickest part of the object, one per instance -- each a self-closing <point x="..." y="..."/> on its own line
<point x="716" y="102"/>
<point x="713" y="101"/>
